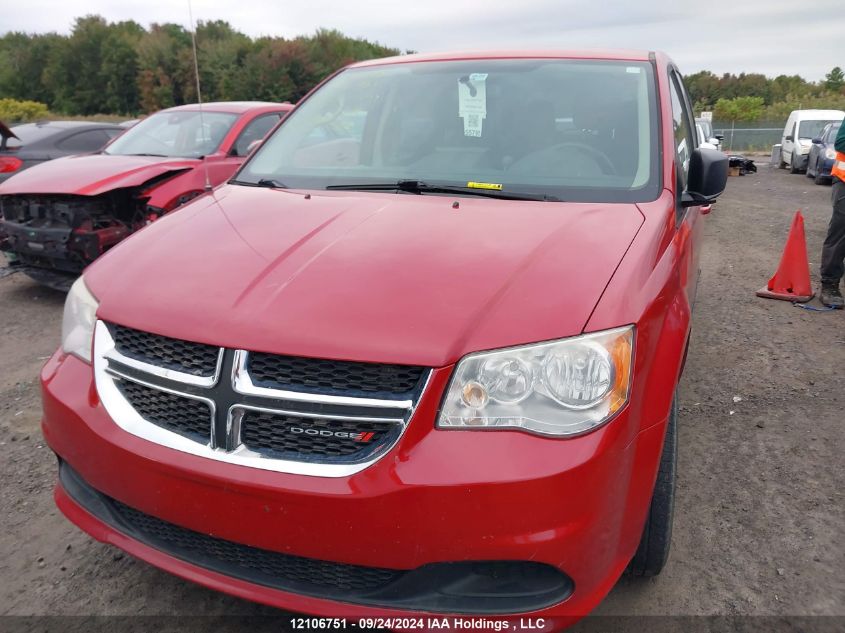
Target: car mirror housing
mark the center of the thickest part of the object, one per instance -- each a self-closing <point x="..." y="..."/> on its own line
<point x="817" y="141"/>
<point x="707" y="178"/>
<point x="789" y="137"/>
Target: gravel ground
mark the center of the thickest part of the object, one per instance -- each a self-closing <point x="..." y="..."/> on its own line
<point x="760" y="510"/>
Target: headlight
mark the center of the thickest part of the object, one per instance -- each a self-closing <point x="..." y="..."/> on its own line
<point x="830" y="153"/>
<point x="78" y="321"/>
<point x="559" y="388"/>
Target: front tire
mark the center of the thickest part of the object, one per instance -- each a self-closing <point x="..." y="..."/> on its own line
<point x="793" y="168"/>
<point x="653" y="550"/>
<point x="820" y="179"/>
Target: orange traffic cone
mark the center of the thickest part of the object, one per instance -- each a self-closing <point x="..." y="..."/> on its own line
<point x="791" y="281"/>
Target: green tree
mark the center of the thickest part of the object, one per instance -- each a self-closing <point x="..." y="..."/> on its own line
<point x="120" y="68"/>
<point x="739" y="109"/>
<point x="835" y="79"/>
<point x="74" y="69"/>
<point x="166" y="63"/>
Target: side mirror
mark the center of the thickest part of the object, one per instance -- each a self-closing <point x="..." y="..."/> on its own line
<point x="721" y="137"/>
<point x="817" y="141"/>
<point x="252" y="146"/>
<point x="707" y="177"/>
<point x="715" y="140"/>
<point x="789" y="138"/>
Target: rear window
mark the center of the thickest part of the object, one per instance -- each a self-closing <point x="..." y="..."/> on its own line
<point x="577" y="130"/>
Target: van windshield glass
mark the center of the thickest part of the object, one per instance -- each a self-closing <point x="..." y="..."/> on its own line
<point x="575" y="130"/>
<point x="811" y="129"/>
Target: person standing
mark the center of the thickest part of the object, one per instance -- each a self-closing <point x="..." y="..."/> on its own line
<point x="833" y="251"/>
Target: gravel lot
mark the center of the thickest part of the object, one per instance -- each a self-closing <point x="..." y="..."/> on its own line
<point x="760" y="512"/>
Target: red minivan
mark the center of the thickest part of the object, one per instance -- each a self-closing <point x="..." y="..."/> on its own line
<point x="418" y="357"/>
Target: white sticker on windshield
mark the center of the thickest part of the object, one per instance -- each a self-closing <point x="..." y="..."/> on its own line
<point x="472" y="102"/>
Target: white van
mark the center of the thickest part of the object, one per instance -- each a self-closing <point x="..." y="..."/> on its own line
<point x="802" y="127"/>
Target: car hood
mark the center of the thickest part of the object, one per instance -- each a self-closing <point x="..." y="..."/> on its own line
<point x="93" y="174"/>
<point x="365" y="276"/>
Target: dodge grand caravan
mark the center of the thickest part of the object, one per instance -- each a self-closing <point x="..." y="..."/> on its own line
<point x="420" y="354"/>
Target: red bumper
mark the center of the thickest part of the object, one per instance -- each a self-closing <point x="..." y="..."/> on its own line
<point x="439" y="496"/>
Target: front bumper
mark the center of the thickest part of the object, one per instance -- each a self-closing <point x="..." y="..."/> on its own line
<point x="439" y="497"/>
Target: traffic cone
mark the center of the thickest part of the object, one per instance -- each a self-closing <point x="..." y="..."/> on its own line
<point x="791" y="281"/>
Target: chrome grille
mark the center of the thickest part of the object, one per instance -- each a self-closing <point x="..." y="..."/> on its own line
<point x="213" y="402"/>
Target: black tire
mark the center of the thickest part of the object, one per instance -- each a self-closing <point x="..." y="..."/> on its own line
<point x="653" y="551"/>
<point x="793" y="169"/>
<point x="809" y="172"/>
<point x="819" y="179"/>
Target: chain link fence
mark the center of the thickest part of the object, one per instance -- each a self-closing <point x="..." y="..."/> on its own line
<point x="744" y="136"/>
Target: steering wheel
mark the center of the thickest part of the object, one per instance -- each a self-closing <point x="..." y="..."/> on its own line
<point x="601" y="159"/>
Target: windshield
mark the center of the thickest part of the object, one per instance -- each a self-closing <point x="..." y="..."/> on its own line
<point x="569" y="129"/>
<point x="811" y="129"/>
<point x="183" y="134"/>
<point x="832" y="132"/>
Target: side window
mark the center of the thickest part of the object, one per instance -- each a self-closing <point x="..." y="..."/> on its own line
<point x="255" y="131"/>
<point x="684" y="143"/>
<point x="88" y="141"/>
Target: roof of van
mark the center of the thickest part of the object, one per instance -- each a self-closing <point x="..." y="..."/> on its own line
<point x="623" y="55"/>
<point x="818" y="115"/>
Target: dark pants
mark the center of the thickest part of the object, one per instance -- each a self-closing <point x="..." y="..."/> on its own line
<point x="833" y="251"/>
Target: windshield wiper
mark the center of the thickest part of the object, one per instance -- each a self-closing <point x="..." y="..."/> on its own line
<point x="270" y="183"/>
<point x="420" y="187"/>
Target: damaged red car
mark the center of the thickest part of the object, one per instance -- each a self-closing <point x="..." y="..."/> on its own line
<point x="418" y="356"/>
<point x="58" y="217"/>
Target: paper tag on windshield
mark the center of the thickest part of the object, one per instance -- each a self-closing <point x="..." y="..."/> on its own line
<point x="472" y="102"/>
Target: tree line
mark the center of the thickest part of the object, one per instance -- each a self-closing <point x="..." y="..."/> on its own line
<point x="124" y="68"/>
<point x="752" y="96"/>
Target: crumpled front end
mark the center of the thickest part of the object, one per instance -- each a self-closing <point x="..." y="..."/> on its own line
<point x="66" y="233"/>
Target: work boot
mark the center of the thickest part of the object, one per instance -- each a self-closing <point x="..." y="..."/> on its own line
<point x="831" y="297"/>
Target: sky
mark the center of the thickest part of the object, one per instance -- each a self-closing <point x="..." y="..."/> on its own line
<point x="772" y="37"/>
